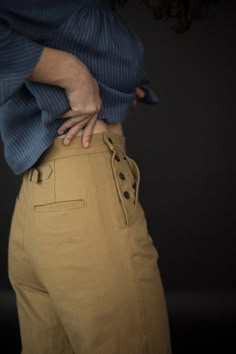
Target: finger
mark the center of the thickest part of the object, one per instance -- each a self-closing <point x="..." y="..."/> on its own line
<point x="140" y="92"/>
<point x="65" y="114"/>
<point x="71" y="113"/>
<point x="87" y="134"/>
<point x="68" y="114"/>
<point x="72" y="132"/>
<point x="70" y="123"/>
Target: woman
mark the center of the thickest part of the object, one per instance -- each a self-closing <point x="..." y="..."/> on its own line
<point x="81" y="260"/>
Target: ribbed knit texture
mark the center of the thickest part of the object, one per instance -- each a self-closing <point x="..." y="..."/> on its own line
<point x="90" y="29"/>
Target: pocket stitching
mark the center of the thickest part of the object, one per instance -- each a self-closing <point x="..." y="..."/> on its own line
<point x="44" y="207"/>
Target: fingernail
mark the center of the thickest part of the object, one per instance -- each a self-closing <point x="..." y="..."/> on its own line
<point x="86" y="144"/>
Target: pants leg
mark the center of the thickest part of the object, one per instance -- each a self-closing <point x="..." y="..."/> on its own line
<point x="40" y="328"/>
<point x="87" y="242"/>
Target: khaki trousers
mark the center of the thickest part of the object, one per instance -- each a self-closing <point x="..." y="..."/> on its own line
<point x="81" y="260"/>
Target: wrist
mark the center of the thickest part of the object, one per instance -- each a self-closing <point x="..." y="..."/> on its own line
<point x="70" y="68"/>
<point x="56" y="67"/>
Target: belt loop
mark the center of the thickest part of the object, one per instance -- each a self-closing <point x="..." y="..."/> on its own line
<point x="33" y="175"/>
<point x="109" y="141"/>
<point x="29" y="175"/>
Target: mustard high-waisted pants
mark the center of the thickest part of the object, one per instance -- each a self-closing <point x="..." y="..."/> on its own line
<point x="81" y="260"/>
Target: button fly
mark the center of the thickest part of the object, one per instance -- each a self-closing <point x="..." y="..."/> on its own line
<point x="117" y="158"/>
<point x="126" y="194"/>
<point x="122" y="176"/>
<point x="126" y="176"/>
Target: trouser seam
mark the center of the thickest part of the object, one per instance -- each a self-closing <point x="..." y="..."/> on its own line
<point x="139" y="293"/>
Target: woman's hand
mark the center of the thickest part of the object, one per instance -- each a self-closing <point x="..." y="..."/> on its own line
<point x="139" y="96"/>
<point x="82" y="92"/>
<point x="63" y="69"/>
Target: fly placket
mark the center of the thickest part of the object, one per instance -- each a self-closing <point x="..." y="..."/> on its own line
<point x="135" y="183"/>
<point x="127" y="178"/>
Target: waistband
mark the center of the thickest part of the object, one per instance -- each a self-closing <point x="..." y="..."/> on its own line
<point x="99" y="142"/>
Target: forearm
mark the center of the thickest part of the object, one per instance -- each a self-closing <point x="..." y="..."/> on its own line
<point x="55" y="67"/>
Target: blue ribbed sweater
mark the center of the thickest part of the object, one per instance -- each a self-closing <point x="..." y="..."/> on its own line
<point x="90" y="29"/>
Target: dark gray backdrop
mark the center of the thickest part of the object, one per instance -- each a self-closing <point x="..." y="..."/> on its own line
<point x="184" y="148"/>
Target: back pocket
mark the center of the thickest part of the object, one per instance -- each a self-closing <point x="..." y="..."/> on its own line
<point x="60" y="206"/>
<point x="62" y="186"/>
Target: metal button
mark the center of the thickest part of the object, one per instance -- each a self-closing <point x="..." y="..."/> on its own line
<point x="122" y="176"/>
<point x="126" y="194"/>
<point x="117" y="158"/>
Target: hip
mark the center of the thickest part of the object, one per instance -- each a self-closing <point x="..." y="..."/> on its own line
<point x="71" y="177"/>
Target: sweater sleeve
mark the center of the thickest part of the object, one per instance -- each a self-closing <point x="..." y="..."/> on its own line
<point x="150" y="96"/>
<point x="18" y="57"/>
